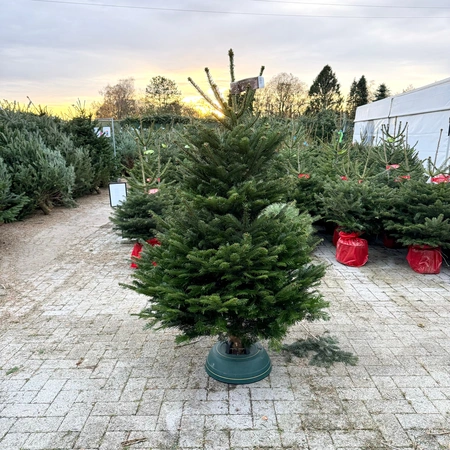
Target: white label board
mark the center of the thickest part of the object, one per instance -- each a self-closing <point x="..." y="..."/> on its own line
<point x="117" y="193"/>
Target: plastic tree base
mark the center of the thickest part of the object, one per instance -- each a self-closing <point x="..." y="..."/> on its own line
<point x="238" y="369"/>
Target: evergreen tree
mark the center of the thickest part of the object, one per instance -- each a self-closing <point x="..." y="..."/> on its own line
<point x="322" y="125"/>
<point x="381" y="92"/>
<point x="52" y="132"/>
<point x="136" y="217"/>
<point x="10" y="204"/>
<point x="234" y="260"/>
<point x="79" y="159"/>
<point x="351" y="99"/>
<point x="354" y="206"/>
<point x="82" y="130"/>
<point x="394" y="159"/>
<point x="37" y="172"/>
<point x="324" y="93"/>
<point x="363" y="91"/>
<point x="420" y="214"/>
<point x="148" y="196"/>
<point x="358" y="96"/>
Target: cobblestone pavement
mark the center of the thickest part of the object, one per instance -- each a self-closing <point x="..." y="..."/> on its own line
<point x="77" y="370"/>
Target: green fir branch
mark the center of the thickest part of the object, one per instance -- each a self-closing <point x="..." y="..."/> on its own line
<point x="216" y="92"/>
<point x="323" y="351"/>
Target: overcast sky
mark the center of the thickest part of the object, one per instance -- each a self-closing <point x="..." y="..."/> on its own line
<point x="56" y="52"/>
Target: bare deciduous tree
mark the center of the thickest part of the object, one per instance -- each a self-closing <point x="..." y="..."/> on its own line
<point x="118" y="101"/>
<point x="284" y="96"/>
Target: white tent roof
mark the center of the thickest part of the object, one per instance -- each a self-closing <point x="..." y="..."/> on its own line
<point x="426" y="110"/>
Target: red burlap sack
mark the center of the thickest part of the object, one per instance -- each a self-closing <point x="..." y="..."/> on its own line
<point x="351" y="250"/>
<point x="137" y="249"/>
<point x="424" y="259"/>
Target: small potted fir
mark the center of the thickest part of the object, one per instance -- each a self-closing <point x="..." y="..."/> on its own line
<point x="149" y="197"/>
<point x="356" y="208"/>
<point x="419" y="218"/>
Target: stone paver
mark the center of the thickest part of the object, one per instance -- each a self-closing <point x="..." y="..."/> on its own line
<point x="77" y="370"/>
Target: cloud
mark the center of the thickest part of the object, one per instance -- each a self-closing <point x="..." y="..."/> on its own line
<point x="57" y="52"/>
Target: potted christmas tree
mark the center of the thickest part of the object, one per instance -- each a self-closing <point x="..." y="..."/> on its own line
<point x="394" y="162"/>
<point x="419" y="217"/>
<point x="234" y="262"/>
<point x="148" y="196"/>
<point x="356" y="207"/>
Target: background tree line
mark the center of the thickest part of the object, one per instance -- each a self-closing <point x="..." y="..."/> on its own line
<point x="284" y="96"/>
<point x="320" y="109"/>
<point x="162" y="96"/>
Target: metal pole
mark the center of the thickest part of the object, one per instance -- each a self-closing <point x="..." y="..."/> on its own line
<point x="113" y="136"/>
<point x="448" y="142"/>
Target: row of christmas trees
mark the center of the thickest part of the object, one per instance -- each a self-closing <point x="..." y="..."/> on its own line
<point x="47" y="161"/>
<point x="375" y="191"/>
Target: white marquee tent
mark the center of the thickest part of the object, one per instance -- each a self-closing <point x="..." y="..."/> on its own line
<point x="425" y="110"/>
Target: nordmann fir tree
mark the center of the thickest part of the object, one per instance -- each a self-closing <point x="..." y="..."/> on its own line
<point x="235" y="260"/>
<point x="149" y="196"/>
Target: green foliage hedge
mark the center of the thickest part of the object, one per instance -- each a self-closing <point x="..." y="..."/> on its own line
<point x="158" y="120"/>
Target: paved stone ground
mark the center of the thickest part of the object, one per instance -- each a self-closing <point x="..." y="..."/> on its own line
<point x="77" y="370"/>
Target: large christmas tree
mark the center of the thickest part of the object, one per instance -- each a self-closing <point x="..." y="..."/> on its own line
<point x="235" y="259"/>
